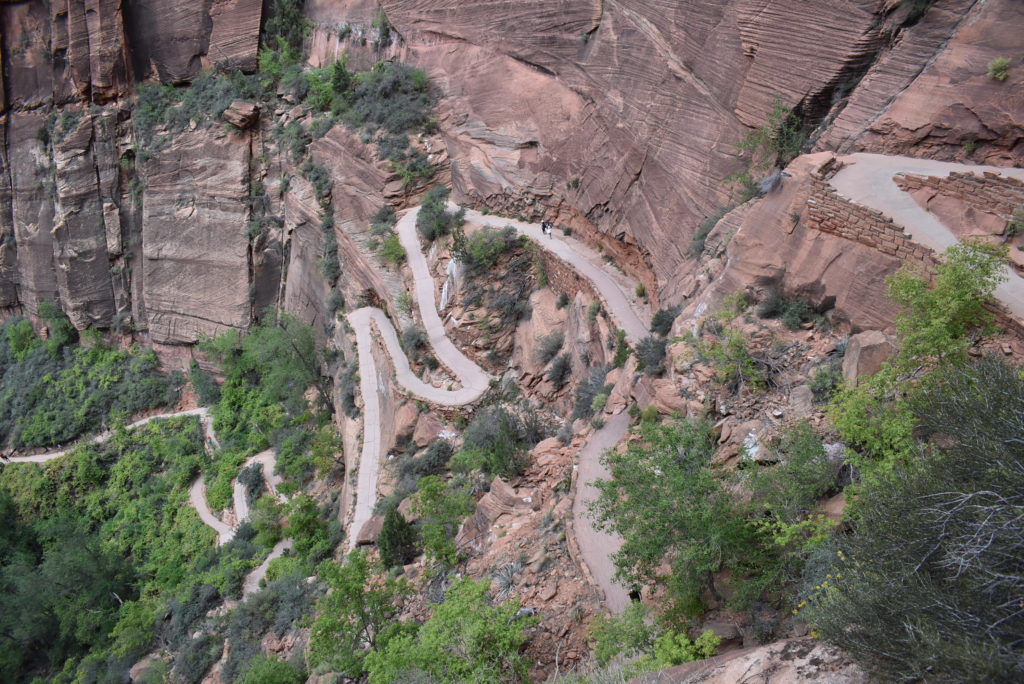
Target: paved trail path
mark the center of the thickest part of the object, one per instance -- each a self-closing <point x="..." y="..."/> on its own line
<point x="868" y="179"/>
<point x="616" y="292"/>
<point x="197" y="491"/>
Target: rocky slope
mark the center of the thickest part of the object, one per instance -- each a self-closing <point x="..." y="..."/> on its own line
<point x="617" y="119"/>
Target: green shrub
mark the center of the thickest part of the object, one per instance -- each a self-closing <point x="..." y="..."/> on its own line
<point x="590" y="387"/>
<point x="467" y="639"/>
<point x="776" y="142"/>
<point x="705" y="228"/>
<point x="825" y="380"/>
<point x="434" y="219"/>
<point x="397" y="540"/>
<point x="999" y="68"/>
<point x="650" y="355"/>
<point x="55" y="394"/>
<point x="392" y="96"/>
<point x="205" y="386"/>
<point x="661" y="322"/>
<point x="495" y="442"/>
<point x="481" y="250"/>
<point x="563" y="301"/>
<point x="549" y="346"/>
<point x="792" y="312"/>
<point x="622" y="349"/>
<point x="911" y="601"/>
<point x="197" y="657"/>
<point x="267" y="670"/>
<point x="734" y="365"/>
<point x="788" y="490"/>
<point x="559" y="372"/>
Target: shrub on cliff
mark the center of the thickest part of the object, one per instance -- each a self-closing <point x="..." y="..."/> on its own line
<point x="936" y="597"/>
<point x="434" y="219"/>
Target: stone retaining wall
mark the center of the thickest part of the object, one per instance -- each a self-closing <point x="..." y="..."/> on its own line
<point x="990" y="192"/>
<point x="830" y="212"/>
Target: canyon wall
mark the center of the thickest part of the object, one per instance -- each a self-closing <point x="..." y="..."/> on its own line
<point x="617" y="118"/>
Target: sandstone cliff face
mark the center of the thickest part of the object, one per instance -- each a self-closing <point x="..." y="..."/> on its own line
<point x="618" y="119"/>
<point x="195" y="262"/>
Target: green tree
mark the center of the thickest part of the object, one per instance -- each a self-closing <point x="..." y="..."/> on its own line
<point x="357" y="617"/>
<point x="666" y="503"/>
<point x="465" y="640"/>
<point x="441" y="510"/>
<point x="397" y="541"/>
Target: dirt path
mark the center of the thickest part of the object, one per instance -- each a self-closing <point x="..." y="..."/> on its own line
<point x="868" y="179"/>
<point x="616" y="292"/>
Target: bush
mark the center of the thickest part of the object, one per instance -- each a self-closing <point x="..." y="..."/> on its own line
<point x="591" y="387"/>
<point x="792" y="312"/>
<point x="203" y="383"/>
<point x="467" y="639"/>
<point x="999" y="68"/>
<point x="392" y="251"/>
<point x="563" y="301"/>
<point x="481" y="250"/>
<point x="55" y="394"/>
<point x="197" y="657"/>
<point x="825" y="379"/>
<point x="733" y="363"/>
<point x="495" y="442"/>
<point x="661" y="322"/>
<point x="788" y="490"/>
<point x="434" y="219"/>
<point x="392" y="96"/>
<point x="560" y="370"/>
<point x="549" y="346"/>
<point x="705" y="228"/>
<point x="267" y="670"/>
<point x="397" y="540"/>
<point x="650" y="354"/>
<point x="414" y="340"/>
<point x="936" y="597"/>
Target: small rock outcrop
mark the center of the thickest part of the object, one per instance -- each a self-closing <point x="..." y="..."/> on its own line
<point x="865" y="354"/>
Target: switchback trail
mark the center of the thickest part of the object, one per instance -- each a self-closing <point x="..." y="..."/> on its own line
<point x="613" y="288"/>
<point x="868" y="179"/>
<point x="197" y="491"/>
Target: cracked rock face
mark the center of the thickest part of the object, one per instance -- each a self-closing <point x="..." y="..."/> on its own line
<point x="617" y="119"/>
<point x="194" y="243"/>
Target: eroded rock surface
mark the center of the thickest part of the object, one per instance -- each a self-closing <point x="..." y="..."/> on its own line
<point x="194" y="242"/>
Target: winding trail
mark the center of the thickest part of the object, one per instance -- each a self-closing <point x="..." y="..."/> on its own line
<point x="613" y="288"/>
<point x="868" y="179"/>
<point x="202" y="412"/>
<point x="596" y="546"/>
<point x="197" y="491"/>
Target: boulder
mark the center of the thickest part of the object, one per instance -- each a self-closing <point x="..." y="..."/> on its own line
<point x="428" y="427"/>
<point x="406" y="419"/>
<point x="801" y="400"/>
<point x="370" y="531"/>
<point x="241" y="114"/>
<point x="865" y="354"/>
